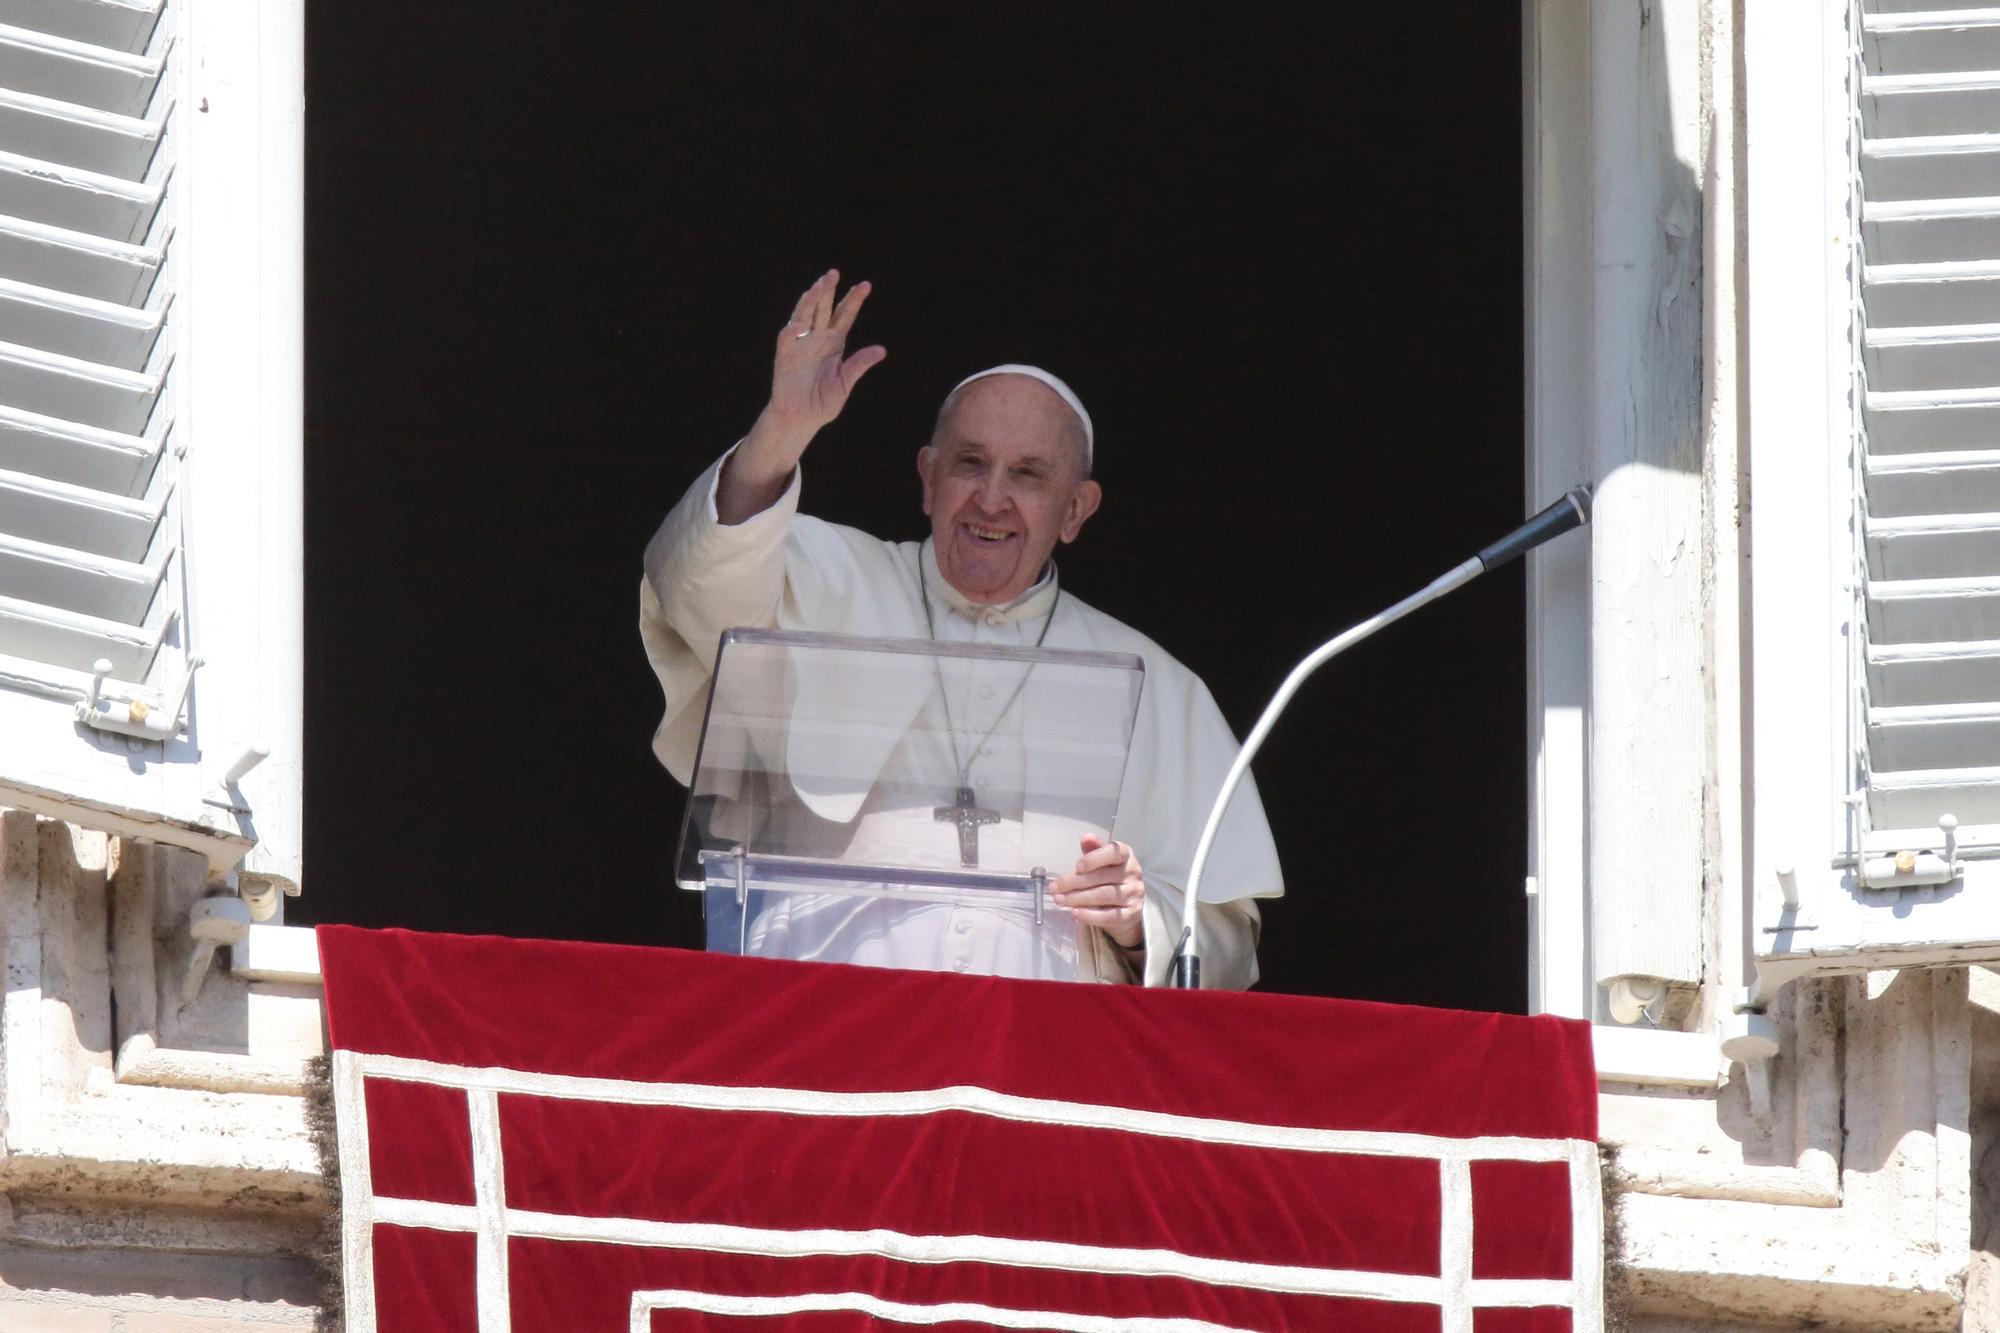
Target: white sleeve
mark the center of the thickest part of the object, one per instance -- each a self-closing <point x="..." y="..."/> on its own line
<point x="1229" y="933"/>
<point x="703" y="576"/>
<point x="1181" y="749"/>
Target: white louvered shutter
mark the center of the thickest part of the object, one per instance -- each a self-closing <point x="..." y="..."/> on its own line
<point x="151" y="308"/>
<point x="1925" y="668"/>
<point x="89" y="536"/>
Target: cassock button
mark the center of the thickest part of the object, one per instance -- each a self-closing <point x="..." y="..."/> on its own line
<point x="994" y="619"/>
<point x="962" y="926"/>
<point x="958" y="965"/>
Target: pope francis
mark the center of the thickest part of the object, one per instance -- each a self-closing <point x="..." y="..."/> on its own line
<point x="1006" y="477"/>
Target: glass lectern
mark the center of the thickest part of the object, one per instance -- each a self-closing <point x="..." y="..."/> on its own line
<point x="903" y="803"/>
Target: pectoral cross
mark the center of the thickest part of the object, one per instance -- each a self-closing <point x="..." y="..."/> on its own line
<point x="968" y="814"/>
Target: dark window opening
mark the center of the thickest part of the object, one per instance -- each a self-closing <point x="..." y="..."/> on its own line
<point x="1276" y="249"/>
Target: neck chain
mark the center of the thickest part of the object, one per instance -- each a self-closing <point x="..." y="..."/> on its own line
<point x="944" y="699"/>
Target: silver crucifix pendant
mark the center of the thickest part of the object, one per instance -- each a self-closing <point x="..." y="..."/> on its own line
<point x="968" y="814"/>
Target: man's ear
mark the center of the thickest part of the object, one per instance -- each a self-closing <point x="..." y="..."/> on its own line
<point x="1083" y="503"/>
<point x="924" y="471"/>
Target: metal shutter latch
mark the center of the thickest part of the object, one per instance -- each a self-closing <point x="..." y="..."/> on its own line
<point x="1914" y="869"/>
<point x="136" y="719"/>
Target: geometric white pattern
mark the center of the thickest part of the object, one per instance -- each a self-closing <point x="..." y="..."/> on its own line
<point x="1455" y="1292"/>
<point x="899" y="1312"/>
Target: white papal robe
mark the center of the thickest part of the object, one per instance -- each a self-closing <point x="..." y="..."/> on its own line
<point x="783" y="570"/>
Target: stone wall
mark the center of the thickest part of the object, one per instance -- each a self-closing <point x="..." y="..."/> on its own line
<point x="1854" y="1204"/>
<point x="157" y="1173"/>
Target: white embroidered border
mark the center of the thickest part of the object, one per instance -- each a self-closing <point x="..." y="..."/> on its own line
<point x="1360" y="1284"/>
<point x="1586" y="1235"/>
<point x="1455" y="1246"/>
<point x="973" y="1101"/>
<point x="1455" y="1291"/>
<point x="710" y="1302"/>
<point x="357" y="1194"/>
<point x="707" y="1302"/>
<point x="489" y="1204"/>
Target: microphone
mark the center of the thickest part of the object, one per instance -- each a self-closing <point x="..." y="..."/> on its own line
<point x="1571" y="511"/>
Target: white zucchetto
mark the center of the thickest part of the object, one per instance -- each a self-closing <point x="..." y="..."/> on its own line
<point x="1063" y="391"/>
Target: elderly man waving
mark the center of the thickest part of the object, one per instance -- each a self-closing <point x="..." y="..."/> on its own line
<point x="1006" y="478"/>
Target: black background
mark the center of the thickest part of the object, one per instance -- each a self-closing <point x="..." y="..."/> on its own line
<point x="1276" y="249"/>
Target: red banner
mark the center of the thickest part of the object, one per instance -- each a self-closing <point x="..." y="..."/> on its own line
<point x="555" y="1137"/>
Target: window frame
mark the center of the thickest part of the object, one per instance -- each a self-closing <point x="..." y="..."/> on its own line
<point x="1556" y="300"/>
<point x="1569" y="73"/>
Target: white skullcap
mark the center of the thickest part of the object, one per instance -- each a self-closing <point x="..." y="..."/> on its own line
<point x="1063" y="391"/>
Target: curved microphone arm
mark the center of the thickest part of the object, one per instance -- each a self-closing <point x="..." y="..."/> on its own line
<point x="1572" y="511"/>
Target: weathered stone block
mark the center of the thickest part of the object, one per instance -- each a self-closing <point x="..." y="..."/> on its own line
<point x="18" y="1315"/>
<point x="249" y="1321"/>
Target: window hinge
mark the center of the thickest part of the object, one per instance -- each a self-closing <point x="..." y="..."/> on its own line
<point x="138" y="720"/>
<point x="212" y="922"/>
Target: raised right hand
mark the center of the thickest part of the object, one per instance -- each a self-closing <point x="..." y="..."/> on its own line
<point x="811" y="375"/>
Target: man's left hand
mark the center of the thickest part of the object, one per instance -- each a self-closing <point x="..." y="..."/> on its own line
<point x="1107" y="890"/>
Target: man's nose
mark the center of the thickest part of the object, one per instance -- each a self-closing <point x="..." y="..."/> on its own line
<point x="993" y="495"/>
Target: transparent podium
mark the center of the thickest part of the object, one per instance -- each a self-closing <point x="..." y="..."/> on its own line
<point x="903" y="803"/>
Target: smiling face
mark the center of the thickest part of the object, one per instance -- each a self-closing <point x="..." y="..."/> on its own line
<point x="1003" y="483"/>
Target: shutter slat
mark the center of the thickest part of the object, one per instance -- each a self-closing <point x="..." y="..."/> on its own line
<point x="92" y="521"/>
<point x="1933" y="610"/>
<point x="1931" y="166"/>
<point x="105" y="460"/>
<point x="1955" y="736"/>
<point x="62" y="576"/>
<point x="102" y="332"/>
<point x="1953" y="672"/>
<point x="71" y="71"/>
<point x="1928" y="6"/>
<point x="1910" y="105"/>
<point x="1916" y="485"/>
<point x="1948" y="356"/>
<point x="1917" y="427"/>
<point x="1931" y="42"/>
<point x="77" y="200"/>
<point x="1926" y="231"/>
<point x="78" y="136"/>
<point x="75" y="640"/>
<point x="1907" y="400"/>
<point x="121" y="25"/>
<point x="1913" y="799"/>
<point x="74" y="390"/>
<point x="1933" y="546"/>
<point x="1955" y="292"/>
<point x="89" y="526"/>
<point x="78" y="262"/>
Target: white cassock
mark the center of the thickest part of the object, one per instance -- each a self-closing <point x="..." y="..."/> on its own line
<point x="782" y="570"/>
